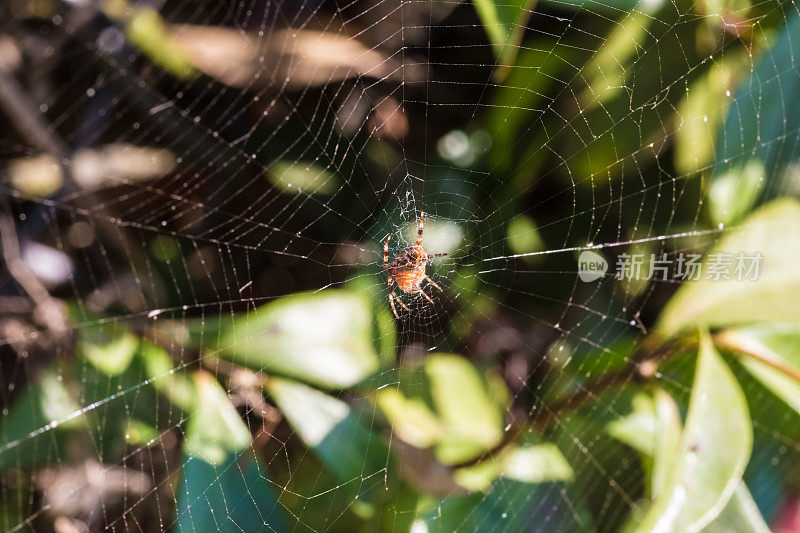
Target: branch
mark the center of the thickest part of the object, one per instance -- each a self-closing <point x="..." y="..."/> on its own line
<point x="49" y="310"/>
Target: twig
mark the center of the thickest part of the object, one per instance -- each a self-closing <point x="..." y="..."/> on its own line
<point x="641" y="367"/>
<point x="28" y="119"/>
<point x="49" y="310"/>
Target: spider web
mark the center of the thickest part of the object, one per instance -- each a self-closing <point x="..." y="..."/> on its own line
<point x="284" y="172"/>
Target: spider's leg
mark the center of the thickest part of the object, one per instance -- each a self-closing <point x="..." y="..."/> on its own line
<point x="431" y="256"/>
<point x="426" y="296"/>
<point x="393" y="297"/>
<point x="429" y="280"/>
<point x="386" y="253"/>
<point x="396" y="297"/>
<point x="391" y="301"/>
<point x="419" y="228"/>
<point x="391" y="293"/>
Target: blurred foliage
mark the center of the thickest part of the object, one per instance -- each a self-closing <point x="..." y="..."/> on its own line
<point x="244" y="360"/>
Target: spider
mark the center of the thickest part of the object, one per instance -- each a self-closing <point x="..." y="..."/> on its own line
<point x="408" y="268"/>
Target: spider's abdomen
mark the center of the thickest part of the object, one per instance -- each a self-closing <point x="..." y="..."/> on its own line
<point x="410" y="280"/>
<point x="408" y="268"/>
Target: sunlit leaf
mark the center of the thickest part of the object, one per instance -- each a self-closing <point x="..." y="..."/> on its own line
<point x="299" y="57"/>
<point x="302" y="177"/>
<point x="529" y="463"/>
<point x="653" y="428"/>
<point x="324" y="339"/>
<point x="329" y="427"/>
<point x="32" y="431"/>
<point x="608" y="70"/>
<point x="740" y="515"/>
<point x="772" y="355"/>
<point x="109" y="347"/>
<point x="471" y="416"/>
<point x="448" y="405"/>
<point x="441" y="235"/>
<point x="538" y="463"/>
<point x="666" y="445"/>
<point x="523" y="235"/>
<point x="107" y="165"/>
<point x="174" y="383"/>
<point x="215" y="429"/>
<point x="734" y="193"/>
<point x="701" y="112"/>
<point x="638" y="428"/>
<point x="140" y="433"/>
<point x="39" y="175"/>
<point x="714" y="451"/>
<point x="412" y="419"/>
<point x="504" y="23"/>
<point x="147" y="31"/>
<point x="772" y="297"/>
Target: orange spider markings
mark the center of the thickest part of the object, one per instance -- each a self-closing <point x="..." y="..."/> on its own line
<point x="408" y="268"/>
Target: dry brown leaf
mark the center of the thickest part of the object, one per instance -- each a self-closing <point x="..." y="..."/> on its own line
<point x="290" y="59"/>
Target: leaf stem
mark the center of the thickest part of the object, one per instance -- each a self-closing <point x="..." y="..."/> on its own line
<point x="726" y="340"/>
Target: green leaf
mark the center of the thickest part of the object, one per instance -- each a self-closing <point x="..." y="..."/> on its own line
<point x="700" y="114"/>
<point x="529" y="463"/>
<point x="523" y="235"/>
<point x="328" y="426"/>
<point x="614" y="7"/>
<point x="518" y="102"/>
<point x="772" y="297"/>
<point x="653" y="428"/>
<point x="637" y="429"/>
<point x="233" y="496"/>
<point x="139" y="433"/>
<point x="608" y="70"/>
<point x="147" y="31"/>
<point x="511" y="505"/>
<point x="733" y="194"/>
<point x="538" y="463"/>
<point x="448" y="405"/>
<point x="215" y="429"/>
<point x="740" y="515"/>
<point x="303" y="177"/>
<point x="222" y="487"/>
<point x="763" y="122"/>
<point x="109" y="347"/>
<point x="175" y="384"/>
<point x="471" y="416"/>
<point x="771" y="355"/>
<point x="43" y="407"/>
<point x="504" y="22"/>
<point x="666" y="443"/>
<point x="324" y="339"/>
<point x="714" y="451"/>
<point x="385" y="331"/>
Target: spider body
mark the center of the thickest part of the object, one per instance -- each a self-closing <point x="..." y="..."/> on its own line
<point x="408" y="268"/>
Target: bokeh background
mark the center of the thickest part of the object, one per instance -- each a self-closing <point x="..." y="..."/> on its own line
<point x="195" y="331"/>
